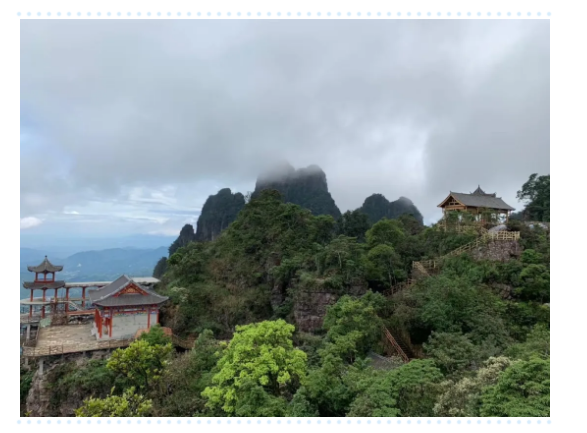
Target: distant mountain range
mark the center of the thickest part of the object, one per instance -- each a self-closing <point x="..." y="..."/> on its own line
<point x="102" y="265"/>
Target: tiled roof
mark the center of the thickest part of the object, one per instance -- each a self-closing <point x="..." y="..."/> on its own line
<point x="105" y="296"/>
<point x="43" y="285"/>
<point x="45" y="266"/>
<point x="486" y="201"/>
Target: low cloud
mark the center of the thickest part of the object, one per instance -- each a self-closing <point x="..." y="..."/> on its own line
<point x="157" y="115"/>
<point x="29" y="222"/>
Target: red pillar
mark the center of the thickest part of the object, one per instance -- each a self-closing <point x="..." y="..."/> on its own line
<point x="148" y="318"/>
<point x="83" y="297"/>
<point x="43" y="308"/>
<point x="157" y="315"/>
<point x="111" y="323"/>
<point x="98" y="319"/>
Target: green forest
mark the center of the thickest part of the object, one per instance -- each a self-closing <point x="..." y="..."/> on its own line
<point x="476" y="330"/>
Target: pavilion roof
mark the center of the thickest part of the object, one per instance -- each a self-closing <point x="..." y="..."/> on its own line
<point x="479" y="199"/>
<point x="45" y="266"/>
<point x="35" y="285"/>
<point x="111" y="296"/>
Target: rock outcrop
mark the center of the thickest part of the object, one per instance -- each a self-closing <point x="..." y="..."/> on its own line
<point x="310" y="306"/>
<point x="306" y="187"/>
<point x="377" y="207"/>
<point x="218" y="213"/>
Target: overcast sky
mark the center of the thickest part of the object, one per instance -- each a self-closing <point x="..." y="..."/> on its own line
<point x="128" y="126"/>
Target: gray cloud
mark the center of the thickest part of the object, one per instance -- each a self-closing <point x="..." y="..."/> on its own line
<point x="412" y="108"/>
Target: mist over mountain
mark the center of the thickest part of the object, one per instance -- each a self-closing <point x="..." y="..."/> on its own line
<point x="306" y="187"/>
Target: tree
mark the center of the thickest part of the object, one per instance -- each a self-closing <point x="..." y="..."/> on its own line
<point x="386" y="265"/>
<point x="386" y="231"/>
<point x="260" y="358"/>
<point x="353" y="325"/>
<point x="160" y="268"/>
<point x="179" y="392"/>
<point x="156" y="336"/>
<point x="407" y="391"/>
<point x="463" y="397"/>
<point x="130" y="404"/>
<point x="536" y="194"/>
<point x="141" y="362"/>
<point x="537" y="344"/>
<point x="186" y="235"/>
<point x="452" y="352"/>
<point x="522" y="390"/>
<point x="535" y="280"/>
<point x="353" y="224"/>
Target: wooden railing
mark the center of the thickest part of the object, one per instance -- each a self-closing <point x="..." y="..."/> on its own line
<point x="392" y="346"/>
<point x="399" y="287"/>
<point x="487" y="237"/>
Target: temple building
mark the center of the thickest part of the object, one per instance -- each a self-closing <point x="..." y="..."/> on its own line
<point x="477" y="202"/>
<point x="44" y="280"/>
<point x="124" y="307"/>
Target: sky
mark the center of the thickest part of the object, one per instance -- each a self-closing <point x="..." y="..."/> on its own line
<point x="128" y="126"/>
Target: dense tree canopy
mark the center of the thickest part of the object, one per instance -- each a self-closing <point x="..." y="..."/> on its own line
<point x="536" y="194"/>
<point x="289" y="307"/>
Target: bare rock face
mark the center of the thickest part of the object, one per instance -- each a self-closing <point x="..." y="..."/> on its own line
<point x="38" y="400"/>
<point x="310" y="306"/>
<point x="310" y="309"/>
<point x="218" y="213"/>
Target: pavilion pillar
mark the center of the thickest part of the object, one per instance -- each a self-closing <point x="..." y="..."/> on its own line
<point x="28" y="331"/>
<point x="148" y="317"/>
<point x="157" y="316"/>
<point x="111" y="323"/>
<point x="43" y="308"/>
<point x="67" y="299"/>
<point x="83" y="297"/>
<point x="31" y="306"/>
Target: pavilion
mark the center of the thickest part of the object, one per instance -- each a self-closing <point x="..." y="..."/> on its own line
<point x="44" y="280"/>
<point x="477" y="202"/>
<point x="124" y="307"/>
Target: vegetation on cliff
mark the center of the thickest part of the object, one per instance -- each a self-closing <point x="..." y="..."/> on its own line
<point x="478" y="329"/>
<point x="306" y="187"/>
<point x="377" y="207"/>
<point x="218" y="212"/>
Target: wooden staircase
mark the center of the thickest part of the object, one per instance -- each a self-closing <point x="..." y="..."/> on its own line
<point x="482" y="240"/>
<point x="393" y="347"/>
<point x="423" y="268"/>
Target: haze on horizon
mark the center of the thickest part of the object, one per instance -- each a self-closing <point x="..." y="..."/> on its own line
<point x="128" y="126"/>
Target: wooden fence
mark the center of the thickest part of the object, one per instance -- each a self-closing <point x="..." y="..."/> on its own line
<point x="486" y="238"/>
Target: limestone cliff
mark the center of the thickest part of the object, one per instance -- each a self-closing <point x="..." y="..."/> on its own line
<point x="218" y="213"/>
<point x="306" y="187"/>
<point x="377" y="207"/>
